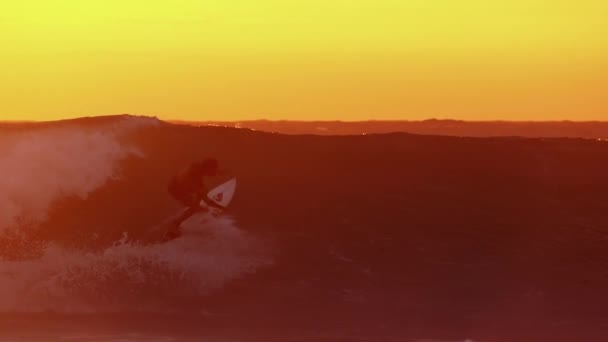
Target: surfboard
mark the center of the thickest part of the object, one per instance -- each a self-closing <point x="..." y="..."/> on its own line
<point x="222" y="194"/>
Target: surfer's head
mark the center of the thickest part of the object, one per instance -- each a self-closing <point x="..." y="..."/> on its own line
<point x="207" y="167"/>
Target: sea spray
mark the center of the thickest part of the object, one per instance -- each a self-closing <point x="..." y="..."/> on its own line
<point x="131" y="276"/>
<point x="42" y="166"/>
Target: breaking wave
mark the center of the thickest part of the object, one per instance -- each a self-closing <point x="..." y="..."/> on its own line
<point x="42" y="166"/>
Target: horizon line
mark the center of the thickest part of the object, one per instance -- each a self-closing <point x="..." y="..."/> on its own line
<point x="171" y="120"/>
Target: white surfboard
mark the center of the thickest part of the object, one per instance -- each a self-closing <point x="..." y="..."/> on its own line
<point x="222" y="194"/>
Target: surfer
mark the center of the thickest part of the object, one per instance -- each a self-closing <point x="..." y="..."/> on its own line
<point x="188" y="188"/>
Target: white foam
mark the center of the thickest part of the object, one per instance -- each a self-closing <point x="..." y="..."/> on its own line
<point x="41" y="166"/>
<point x="132" y="277"/>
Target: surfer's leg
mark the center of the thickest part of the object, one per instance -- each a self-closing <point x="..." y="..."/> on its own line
<point x="171" y="235"/>
<point x="186" y="215"/>
<point x="175" y="231"/>
<point x="191" y="201"/>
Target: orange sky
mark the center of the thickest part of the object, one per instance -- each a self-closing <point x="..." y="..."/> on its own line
<point x="306" y="60"/>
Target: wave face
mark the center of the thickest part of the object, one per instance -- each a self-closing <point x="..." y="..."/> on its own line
<point x="388" y="235"/>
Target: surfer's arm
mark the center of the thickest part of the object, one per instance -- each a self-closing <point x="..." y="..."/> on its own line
<point x="212" y="203"/>
<point x="200" y="196"/>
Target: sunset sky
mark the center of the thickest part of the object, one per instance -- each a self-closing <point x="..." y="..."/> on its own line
<point x="308" y="59"/>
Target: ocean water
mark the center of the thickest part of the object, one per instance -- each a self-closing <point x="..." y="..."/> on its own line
<point x="355" y="238"/>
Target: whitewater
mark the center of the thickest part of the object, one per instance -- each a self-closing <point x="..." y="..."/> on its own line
<point x="42" y="167"/>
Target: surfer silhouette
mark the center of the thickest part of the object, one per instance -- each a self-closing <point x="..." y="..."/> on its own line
<point x="188" y="188"/>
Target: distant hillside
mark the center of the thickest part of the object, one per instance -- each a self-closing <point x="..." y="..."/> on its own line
<point x="82" y="121"/>
<point x="590" y="129"/>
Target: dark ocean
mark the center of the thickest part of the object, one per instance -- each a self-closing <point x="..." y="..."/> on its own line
<point x="378" y="237"/>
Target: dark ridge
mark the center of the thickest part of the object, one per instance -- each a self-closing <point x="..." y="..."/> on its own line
<point x="549" y="129"/>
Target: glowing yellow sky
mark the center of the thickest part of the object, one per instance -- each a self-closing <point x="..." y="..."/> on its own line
<point x="308" y="59"/>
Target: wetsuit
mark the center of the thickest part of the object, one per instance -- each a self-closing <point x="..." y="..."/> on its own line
<point x="188" y="188"/>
